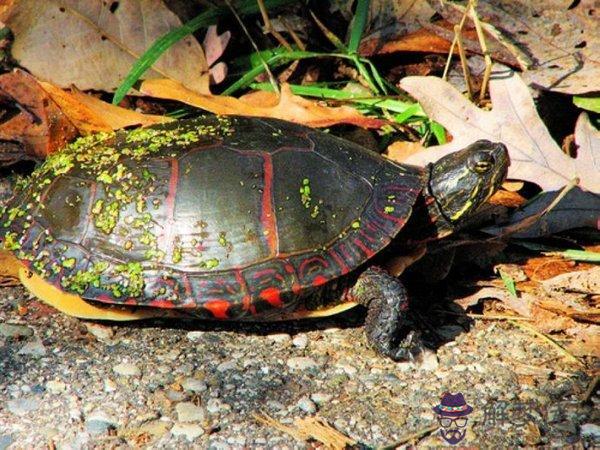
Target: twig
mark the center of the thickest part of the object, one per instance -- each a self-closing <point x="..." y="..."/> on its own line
<point x="454" y="42"/>
<point x="463" y="61"/>
<point x="549" y="340"/>
<point x="269" y="27"/>
<point x="484" y="49"/>
<point x="587" y="395"/>
<point x="262" y="60"/>
<point x="499" y="317"/>
<point x="292" y="33"/>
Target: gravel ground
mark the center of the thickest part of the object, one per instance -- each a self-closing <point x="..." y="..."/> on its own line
<point x="72" y="384"/>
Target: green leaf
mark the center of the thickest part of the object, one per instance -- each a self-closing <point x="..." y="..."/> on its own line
<point x="589" y="103"/>
<point x="164" y="42"/>
<point x="509" y="283"/>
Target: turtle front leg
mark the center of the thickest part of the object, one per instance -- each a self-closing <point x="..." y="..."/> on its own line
<point x="387" y="325"/>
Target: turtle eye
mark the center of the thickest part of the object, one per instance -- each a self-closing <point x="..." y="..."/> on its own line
<point x="481" y="162"/>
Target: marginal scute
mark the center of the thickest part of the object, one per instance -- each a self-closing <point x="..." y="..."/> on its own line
<point x="231" y="218"/>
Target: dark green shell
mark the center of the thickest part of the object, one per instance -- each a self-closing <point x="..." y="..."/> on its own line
<point x="229" y="217"/>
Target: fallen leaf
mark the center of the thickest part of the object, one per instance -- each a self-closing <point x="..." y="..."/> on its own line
<point x="560" y="37"/>
<point x="521" y="304"/>
<point x="578" y="209"/>
<point x="262" y="104"/>
<point x="582" y="282"/>
<point x="92" y="44"/>
<point x="90" y="114"/>
<point x="9" y="269"/>
<point x="40" y="126"/>
<point x="400" y="151"/>
<point x="214" y="45"/>
<point x="535" y="156"/>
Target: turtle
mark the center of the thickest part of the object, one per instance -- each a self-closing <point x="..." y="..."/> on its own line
<point x="236" y="218"/>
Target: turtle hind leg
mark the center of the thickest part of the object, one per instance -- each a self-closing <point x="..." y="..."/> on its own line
<point x="75" y="306"/>
<point x="387" y="326"/>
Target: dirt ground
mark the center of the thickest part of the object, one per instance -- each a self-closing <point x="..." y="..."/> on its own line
<point x="66" y="383"/>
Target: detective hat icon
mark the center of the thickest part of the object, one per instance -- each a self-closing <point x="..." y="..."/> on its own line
<point x="453" y="405"/>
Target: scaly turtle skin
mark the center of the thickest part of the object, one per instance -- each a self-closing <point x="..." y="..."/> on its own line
<point x="235" y="219"/>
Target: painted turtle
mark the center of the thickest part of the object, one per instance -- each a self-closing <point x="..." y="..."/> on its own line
<point x="235" y="218"/>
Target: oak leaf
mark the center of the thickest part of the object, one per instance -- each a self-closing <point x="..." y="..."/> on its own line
<point x="513" y="120"/>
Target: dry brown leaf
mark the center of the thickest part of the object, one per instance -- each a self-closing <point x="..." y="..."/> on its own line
<point x="535" y="156"/>
<point x="9" y="269"/>
<point x="399" y="151"/>
<point x="561" y="38"/>
<point x="90" y="114"/>
<point x="92" y="44"/>
<point x="521" y="305"/>
<point x="40" y="126"/>
<point x="263" y="104"/>
<point x="583" y="282"/>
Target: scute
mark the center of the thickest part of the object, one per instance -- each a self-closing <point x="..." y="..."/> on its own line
<point x="229" y="217"/>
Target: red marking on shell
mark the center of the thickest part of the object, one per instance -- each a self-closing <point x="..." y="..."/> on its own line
<point x="130" y="301"/>
<point x="161" y="304"/>
<point x="296" y="288"/>
<point x="272" y="295"/>
<point x="319" y="280"/>
<point x="246" y="300"/>
<point x="367" y="251"/>
<point x="289" y="268"/>
<point x="267" y="217"/>
<point x="340" y="261"/>
<point x="218" y="308"/>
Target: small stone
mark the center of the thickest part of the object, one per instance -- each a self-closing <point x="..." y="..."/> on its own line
<point x="97" y="427"/>
<point x="590" y="430"/>
<point x="189" y="430"/>
<point x="109" y="385"/>
<point x="429" y="362"/>
<point x="55" y="386"/>
<point x="320" y="397"/>
<point x="101" y="332"/>
<point x="33" y="347"/>
<point x="302" y="363"/>
<point x="194" y="385"/>
<point x="347" y="369"/>
<point x="307" y="405"/>
<point x="5" y="441"/>
<point x="195" y="336"/>
<point x="214" y="406"/>
<point x="189" y="412"/>
<point x="127" y="370"/>
<point x="300" y="341"/>
<point x="23" y="406"/>
<point x="280" y="338"/>
<point x="227" y="365"/>
<point x="15" y="331"/>
<point x="175" y="396"/>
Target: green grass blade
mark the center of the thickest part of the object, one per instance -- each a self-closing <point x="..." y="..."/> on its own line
<point x="439" y="132"/>
<point x="581" y="255"/>
<point x="164" y="42"/>
<point x="358" y="25"/>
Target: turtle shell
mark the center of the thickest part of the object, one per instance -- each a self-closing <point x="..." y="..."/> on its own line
<point x="230" y="217"/>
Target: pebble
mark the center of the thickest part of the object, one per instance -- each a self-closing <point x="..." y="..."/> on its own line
<point x="5" y="441"/>
<point x="302" y="363"/>
<point x="175" y="396"/>
<point x="189" y="412"/>
<point x="101" y="332"/>
<point x="33" y="347"/>
<point x="307" y="405"/>
<point x="109" y="385"/>
<point x="214" y="406"/>
<point x="280" y="338"/>
<point x="300" y="341"/>
<point x="590" y="430"/>
<point x="22" y="406"/>
<point x="320" y="397"/>
<point x="189" y="430"/>
<point x="195" y="336"/>
<point x="127" y="370"/>
<point x="347" y="369"/>
<point x="194" y="385"/>
<point x="15" y="331"/>
<point x="55" y="386"/>
<point x="227" y="365"/>
<point x="430" y="361"/>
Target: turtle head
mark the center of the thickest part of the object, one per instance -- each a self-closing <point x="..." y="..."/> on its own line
<point x="462" y="181"/>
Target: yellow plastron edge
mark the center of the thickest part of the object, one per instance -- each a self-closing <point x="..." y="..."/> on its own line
<point x="73" y="305"/>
